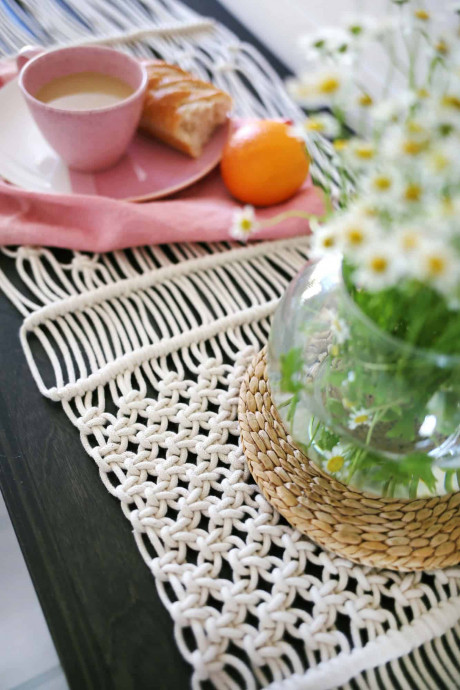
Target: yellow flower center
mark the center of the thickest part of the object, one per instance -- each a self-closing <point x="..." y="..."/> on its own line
<point x="410" y="241"/>
<point x="423" y="15"/>
<point x="328" y="241"/>
<point x="412" y="192"/>
<point x="423" y="93"/>
<point x="364" y="151"/>
<point x="365" y="100"/>
<point x="329" y="85"/>
<point x="442" y="47"/>
<point x="436" y="266"/>
<point x="382" y="183"/>
<point x="340" y="144"/>
<point x="439" y="161"/>
<point x="414" y="127"/>
<point x="379" y="264"/>
<point x="335" y="463"/>
<point x="361" y="418"/>
<point x="450" y="101"/>
<point x="413" y="147"/>
<point x="314" y="125"/>
<point x="369" y="211"/>
<point x="246" y="224"/>
<point x="355" y="236"/>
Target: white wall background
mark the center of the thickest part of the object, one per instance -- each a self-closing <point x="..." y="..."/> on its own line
<point x="280" y="23"/>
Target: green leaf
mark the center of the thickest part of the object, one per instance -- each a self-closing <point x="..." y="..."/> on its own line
<point x="403" y="429"/>
<point x="291" y="368"/>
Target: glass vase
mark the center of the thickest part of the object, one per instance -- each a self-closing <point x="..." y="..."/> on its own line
<point x="373" y="411"/>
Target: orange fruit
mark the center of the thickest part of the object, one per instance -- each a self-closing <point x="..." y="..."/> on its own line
<point x="262" y="164"/>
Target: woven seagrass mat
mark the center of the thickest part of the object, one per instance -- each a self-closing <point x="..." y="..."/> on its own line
<point x="399" y="534"/>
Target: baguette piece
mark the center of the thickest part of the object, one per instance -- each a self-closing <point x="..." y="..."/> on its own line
<point x="180" y="109"/>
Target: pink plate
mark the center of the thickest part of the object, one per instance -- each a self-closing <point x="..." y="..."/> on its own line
<point x="150" y="170"/>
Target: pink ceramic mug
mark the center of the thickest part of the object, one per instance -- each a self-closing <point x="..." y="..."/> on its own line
<point x="87" y="140"/>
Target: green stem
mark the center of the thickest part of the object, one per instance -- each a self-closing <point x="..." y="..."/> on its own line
<point x="375" y="420"/>
<point x="413" y="487"/>
<point x="385" y="407"/>
<point x="355" y="463"/>
<point x="284" y="216"/>
<point x="448" y="485"/>
<point x="312" y="434"/>
<point x="391" y="487"/>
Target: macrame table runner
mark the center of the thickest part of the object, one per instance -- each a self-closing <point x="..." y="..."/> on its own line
<point x="146" y="350"/>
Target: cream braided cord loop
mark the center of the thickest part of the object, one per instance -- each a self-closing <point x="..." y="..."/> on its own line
<point x="146" y="350"/>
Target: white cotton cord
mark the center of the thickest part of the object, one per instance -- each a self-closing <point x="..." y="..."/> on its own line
<point x="22" y="304"/>
<point x="128" y="362"/>
<point x="122" y="287"/>
<point x="392" y="645"/>
<point x="180" y="29"/>
<point x="440" y="659"/>
<point x="128" y="309"/>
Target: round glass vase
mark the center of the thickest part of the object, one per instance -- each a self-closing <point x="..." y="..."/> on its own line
<point x="373" y="411"/>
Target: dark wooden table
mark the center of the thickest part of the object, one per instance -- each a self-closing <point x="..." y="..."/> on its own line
<point x="110" y="629"/>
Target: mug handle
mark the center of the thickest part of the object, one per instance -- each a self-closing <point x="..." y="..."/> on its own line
<point x="27" y="53"/>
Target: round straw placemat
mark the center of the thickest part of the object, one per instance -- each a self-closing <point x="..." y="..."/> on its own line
<point x="400" y="534"/>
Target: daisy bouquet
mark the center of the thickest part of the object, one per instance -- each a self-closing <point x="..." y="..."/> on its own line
<point x="386" y="414"/>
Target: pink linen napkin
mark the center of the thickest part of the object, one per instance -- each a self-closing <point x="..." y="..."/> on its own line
<point x="200" y="213"/>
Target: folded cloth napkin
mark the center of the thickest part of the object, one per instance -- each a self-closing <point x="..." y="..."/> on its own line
<point x="200" y="213"/>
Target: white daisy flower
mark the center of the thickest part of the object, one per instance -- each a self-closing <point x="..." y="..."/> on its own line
<point x="360" y="153"/>
<point x="444" y="213"/>
<point x="409" y="239"/>
<point x="435" y="263"/>
<point x="361" y="417"/>
<point x="393" y="109"/>
<point x="442" y="45"/>
<point x="412" y="193"/>
<point x="315" y="89"/>
<point x="443" y="158"/>
<point x="340" y="330"/>
<point x="380" y="184"/>
<point x="405" y="143"/>
<point x="335" y="458"/>
<point x="447" y="109"/>
<point x="356" y="230"/>
<point x="325" y="240"/>
<point x="323" y="123"/>
<point x="379" y="266"/>
<point x="244" y="224"/>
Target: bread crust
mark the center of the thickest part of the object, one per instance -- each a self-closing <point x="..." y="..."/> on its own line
<point x="180" y="109"/>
